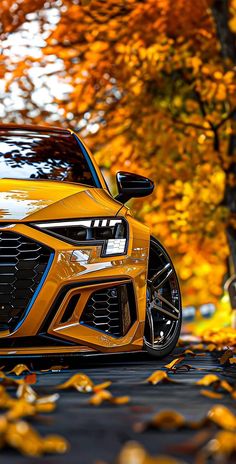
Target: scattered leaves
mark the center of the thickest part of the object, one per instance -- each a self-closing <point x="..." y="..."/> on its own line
<point x="83" y="384"/>
<point x="19" y="369"/>
<point x="158" y="377"/>
<point x="102" y="396"/>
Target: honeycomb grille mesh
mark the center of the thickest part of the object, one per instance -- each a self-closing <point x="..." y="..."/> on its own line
<point x="103" y="311"/>
<point x="108" y="310"/>
<point x="22" y="265"/>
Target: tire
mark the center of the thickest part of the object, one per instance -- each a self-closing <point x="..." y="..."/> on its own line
<point x="160" y="343"/>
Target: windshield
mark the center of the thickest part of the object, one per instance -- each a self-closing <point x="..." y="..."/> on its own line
<point x="43" y="155"/>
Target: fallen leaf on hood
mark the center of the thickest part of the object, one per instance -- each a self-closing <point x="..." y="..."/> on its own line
<point x="21" y="436"/>
<point x="159" y="376"/>
<point x="211" y="394"/>
<point x="82" y="383"/>
<point x="232" y="360"/>
<point x="19" y="369"/>
<point x="173" y="363"/>
<point x="134" y="453"/>
<point x="104" y="395"/>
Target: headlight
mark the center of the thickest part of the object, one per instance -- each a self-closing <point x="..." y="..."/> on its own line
<point x="112" y="234"/>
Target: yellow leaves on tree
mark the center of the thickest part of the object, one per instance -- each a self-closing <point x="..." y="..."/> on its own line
<point x="152" y="94"/>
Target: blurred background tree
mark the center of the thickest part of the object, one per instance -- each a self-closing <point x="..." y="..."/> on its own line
<point x="151" y="86"/>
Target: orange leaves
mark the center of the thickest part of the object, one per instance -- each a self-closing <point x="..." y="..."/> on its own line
<point x="102" y="396"/>
<point x="173" y="363"/>
<point x="208" y="380"/>
<point x="222" y="417"/>
<point x="24" y="438"/>
<point x="15" y="432"/>
<point x="19" y="369"/>
<point x="218" y="415"/>
<point x="82" y="383"/>
<point x="158" y="377"/>
<point x="120" y="61"/>
<point x="217" y="383"/>
<point x="134" y="453"/>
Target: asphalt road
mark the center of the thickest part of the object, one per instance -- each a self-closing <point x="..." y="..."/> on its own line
<point x="97" y="433"/>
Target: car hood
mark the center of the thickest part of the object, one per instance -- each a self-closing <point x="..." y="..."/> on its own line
<point x="40" y="200"/>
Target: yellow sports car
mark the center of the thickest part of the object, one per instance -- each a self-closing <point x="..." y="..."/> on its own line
<point x="78" y="273"/>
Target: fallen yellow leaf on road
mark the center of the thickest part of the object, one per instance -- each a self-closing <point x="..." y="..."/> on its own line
<point x="219" y="449"/>
<point x="19" y="369"/>
<point x="225" y="356"/>
<point x="208" y="379"/>
<point x="21" y="436"/>
<point x="211" y="394"/>
<point x="159" y="376"/>
<point x="83" y="384"/>
<point x="172" y="420"/>
<point x="104" y="395"/>
<point x="223" y="417"/>
<point x="134" y="453"/>
<point x="27" y="393"/>
<point x="226" y="386"/>
<point x="168" y="420"/>
<point x="173" y="363"/>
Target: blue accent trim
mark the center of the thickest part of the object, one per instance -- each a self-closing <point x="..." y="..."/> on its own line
<point x="89" y="161"/>
<point x="32" y="301"/>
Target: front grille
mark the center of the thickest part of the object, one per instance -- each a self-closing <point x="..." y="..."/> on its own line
<point x="110" y="310"/>
<point x="22" y="265"/>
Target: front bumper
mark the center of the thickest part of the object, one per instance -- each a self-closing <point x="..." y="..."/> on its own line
<point x="54" y="323"/>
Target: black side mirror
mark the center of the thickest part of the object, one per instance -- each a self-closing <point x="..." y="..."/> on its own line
<point x="132" y="186"/>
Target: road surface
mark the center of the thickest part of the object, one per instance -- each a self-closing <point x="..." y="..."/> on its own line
<point x="98" y="433"/>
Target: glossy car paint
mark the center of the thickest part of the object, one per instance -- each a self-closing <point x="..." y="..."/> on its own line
<point x="23" y="202"/>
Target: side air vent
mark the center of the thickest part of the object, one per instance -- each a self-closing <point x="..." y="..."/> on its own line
<point x="111" y="310"/>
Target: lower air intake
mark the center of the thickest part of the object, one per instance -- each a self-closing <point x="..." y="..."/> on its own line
<point x="110" y="310"/>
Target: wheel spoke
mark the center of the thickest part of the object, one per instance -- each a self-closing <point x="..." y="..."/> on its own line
<point x="158" y="274"/>
<point x="165" y="312"/>
<point x="170" y="305"/>
<point x="156" y="287"/>
<point x="151" y="326"/>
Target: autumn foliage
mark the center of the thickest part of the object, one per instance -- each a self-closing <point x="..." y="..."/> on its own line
<point x="151" y="87"/>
